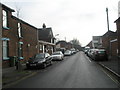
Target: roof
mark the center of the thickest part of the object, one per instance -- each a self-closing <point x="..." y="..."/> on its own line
<point x="61" y="42"/>
<point x="110" y="33"/>
<point x="4" y="6"/>
<point x="45" y="33"/>
<point x="23" y="21"/>
<point x="117" y="20"/>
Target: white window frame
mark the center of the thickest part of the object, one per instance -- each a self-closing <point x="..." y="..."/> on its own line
<point x="41" y="47"/>
<point x="19" y="30"/>
<point x="5" y="50"/>
<point x="5" y="23"/>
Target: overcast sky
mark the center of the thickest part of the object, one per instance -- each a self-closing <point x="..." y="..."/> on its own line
<point x="79" y="19"/>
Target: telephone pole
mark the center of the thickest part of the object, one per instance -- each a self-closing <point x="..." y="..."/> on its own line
<point x="109" y="44"/>
<point x="107" y="19"/>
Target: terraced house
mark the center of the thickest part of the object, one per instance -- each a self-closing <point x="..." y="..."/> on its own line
<point x="118" y="34"/>
<point x="19" y="39"/>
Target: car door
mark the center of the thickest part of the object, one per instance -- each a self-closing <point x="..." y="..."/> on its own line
<point x="47" y="57"/>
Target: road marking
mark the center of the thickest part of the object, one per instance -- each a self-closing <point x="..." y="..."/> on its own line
<point x="89" y="60"/>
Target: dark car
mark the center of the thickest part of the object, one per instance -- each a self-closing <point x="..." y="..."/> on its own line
<point x="100" y="54"/>
<point x="39" y="60"/>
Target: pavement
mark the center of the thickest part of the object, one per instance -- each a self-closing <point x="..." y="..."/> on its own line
<point x="112" y="65"/>
<point x="11" y="75"/>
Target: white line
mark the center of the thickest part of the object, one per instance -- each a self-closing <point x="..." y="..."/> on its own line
<point x="89" y="60"/>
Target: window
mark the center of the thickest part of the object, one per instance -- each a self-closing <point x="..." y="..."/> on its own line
<point x="20" y="51"/>
<point x="41" y="47"/>
<point x="19" y="30"/>
<point x="4" y="18"/>
<point x="5" y="50"/>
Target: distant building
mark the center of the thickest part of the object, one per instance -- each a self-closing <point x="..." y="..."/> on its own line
<point x="61" y="45"/>
<point x="118" y="34"/>
<point x="90" y="44"/>
<point x="96" y="41"/>
<point x="109" y="42"/>
<point x="46" y="40"/>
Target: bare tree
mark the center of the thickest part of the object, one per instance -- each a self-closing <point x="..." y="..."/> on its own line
<point x="75" y="41"/>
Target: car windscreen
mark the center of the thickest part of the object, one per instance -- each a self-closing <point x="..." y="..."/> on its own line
<point x="67" y="52"/>
<point x="57" y="53"/>
<point x="40" y="56"/>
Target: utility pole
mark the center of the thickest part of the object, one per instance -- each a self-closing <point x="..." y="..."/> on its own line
<point x="109" y="44"/>
<point x="107" y="19"/>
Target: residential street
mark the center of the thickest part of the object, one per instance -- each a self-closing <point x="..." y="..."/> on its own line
<point x="76" y="71"/>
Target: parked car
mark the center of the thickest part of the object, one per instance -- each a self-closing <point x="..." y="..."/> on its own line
<point x="39" y="60"/>
<point x="58" y="55"/>
<point x="73" y="51"/>
<point x="68" y="53"/>
<point x="91" y="53"/>
<point x="99" y="54"/>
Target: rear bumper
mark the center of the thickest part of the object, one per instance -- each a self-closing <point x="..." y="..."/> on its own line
<point x="34" y="65"/>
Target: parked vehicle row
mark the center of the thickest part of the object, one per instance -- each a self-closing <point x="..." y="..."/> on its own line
<point x="97" y="54"/>
<point x="70" y="52"/>
<point x="42" y="60"/>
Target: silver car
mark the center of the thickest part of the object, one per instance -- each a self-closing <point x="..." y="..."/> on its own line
<point x="58" y="55"/>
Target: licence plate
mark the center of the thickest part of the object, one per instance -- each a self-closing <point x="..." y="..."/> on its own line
<point x="32" y="64"/>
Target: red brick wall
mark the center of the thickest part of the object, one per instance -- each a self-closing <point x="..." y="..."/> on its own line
<point x="106" y="44"/>
<point x="10" y="33"/>
<point x="118" y="33"/>
<point x="29" y="37"/>
<point x="114" y="47"/>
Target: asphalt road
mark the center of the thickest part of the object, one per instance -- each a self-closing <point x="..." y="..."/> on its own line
<point x="76" y="71"/>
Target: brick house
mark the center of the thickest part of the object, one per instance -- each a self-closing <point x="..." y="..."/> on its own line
<point x="8" y="35"/>
<point x="118" y="34"/>
<point x="89" y="44"/>
<point x="16" y="38"/>
<point x="46" y="40"/>
<point x="61" y="45"/>
<point x="96" y="42"/>
<point x="29" y="45"/>
<point x="109" y="43"/>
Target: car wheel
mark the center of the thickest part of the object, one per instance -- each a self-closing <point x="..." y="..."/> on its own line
<point x="44" y="65"/>
<point x="50" y="62"/>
